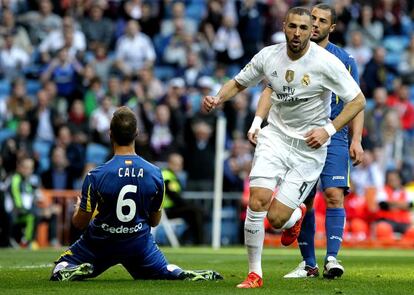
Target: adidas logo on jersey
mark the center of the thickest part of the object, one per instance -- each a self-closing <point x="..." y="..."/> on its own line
<point x="274" y="74"/>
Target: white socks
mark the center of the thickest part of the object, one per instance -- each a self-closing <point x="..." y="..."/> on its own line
<point x="254" y="238"/>
<point x="296" y="215"/>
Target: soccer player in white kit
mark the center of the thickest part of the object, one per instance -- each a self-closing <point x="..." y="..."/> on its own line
<point x="291" y="150"/>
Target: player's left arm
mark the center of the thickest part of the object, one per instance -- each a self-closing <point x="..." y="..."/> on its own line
<point x="156" y="203"/>
<point x="357" y="124"/>
<point x="85" y="205"/>
<point x="337" y="79"/>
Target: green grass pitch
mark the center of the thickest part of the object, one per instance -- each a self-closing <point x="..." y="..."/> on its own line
<point x="366" y="272"/>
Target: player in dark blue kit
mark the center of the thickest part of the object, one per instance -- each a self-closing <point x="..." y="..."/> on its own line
<point x="335" y="175"/>
<point x="127" y="193"/>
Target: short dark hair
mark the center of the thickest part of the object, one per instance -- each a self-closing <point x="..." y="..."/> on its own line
<point x="324" y="6"/>
<point x="123" y="126"/>
<point x="299" y="10"/>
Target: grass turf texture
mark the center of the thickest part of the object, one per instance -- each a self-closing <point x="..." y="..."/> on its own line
<point x="366" y="272"/>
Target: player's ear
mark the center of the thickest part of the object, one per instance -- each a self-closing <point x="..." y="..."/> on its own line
<point x="332" y="28"/>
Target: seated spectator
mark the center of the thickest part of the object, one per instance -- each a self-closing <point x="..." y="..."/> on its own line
<point x="68" y="36"/>
<point x="101" y="62"/>
<point x="178" y="12"/>
<point x="150" y="87"/>
<point x="97" y="28"/>
<point x="77" y="120"/>
<point x="93" y="95"/>
<point x="162" y="137"/>
<point x="395" y="203"/>
<point x="100" y="121"/>
<point x="134" y="50"/>
<point x="41" y="22"/>
<point x="361" y="52"/>
<point x="8" y="26"/>
<point x="59" y="176"/>
<point x="239" y="116"/>
<point x="406" y="66"/>
<point x="13" y="59"/>
<point x="177" y="207"/>
<point x="237" y="166"/>
<point x="18" y="103"/>
<point x="148" y="20"/>
<point x="44" y="118"/>
<point x="64" y="71"/>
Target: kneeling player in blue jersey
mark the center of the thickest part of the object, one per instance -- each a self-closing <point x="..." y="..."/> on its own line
<point x="127" y="192"/>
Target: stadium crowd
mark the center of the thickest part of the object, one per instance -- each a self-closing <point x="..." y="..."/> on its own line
<point x="66" y="65"/>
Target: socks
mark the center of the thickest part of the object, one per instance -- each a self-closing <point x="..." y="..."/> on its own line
<point x="306" y="239"/>
<point x="254" y="238"/>
<point x="296" y="215"/>
<point x="334" y="226"/>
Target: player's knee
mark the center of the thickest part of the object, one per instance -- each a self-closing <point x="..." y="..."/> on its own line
<point x="259" y="201"/>
<point x="334" y="197"/>
<point x="275" y="220"/>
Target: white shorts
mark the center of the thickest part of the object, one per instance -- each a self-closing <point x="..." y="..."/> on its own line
<point x="286" y="162"/>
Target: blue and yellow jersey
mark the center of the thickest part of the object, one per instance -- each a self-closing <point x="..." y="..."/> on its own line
<point x="337" y="105"/>
<point x="125" y="190"/>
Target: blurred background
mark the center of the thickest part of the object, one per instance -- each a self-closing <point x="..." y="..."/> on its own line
<point x="66" y="65"/>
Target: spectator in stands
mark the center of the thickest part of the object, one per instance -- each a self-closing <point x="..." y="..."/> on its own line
<point x="75" y="151"/>
<point x="376" y="72"/>
<point x="176" y="206"/>
<point x="178" y="13"/>
<point x="59" y="176"/>
<point x="44" y="119"/>
<point x="162" y="135"/>
<point x="374" y="117"/>
<point x="177" y="45"/>
<point x="68" y="36"/>
<point x="102" y="63"/>
<point x="406" y="66"/>
<point x="149" y="22"/>
<point x="206" y="86"/>
<point x="193" y="70"/>
<point x="371" y="29"/>
<point x="395" y="203"/>
<point x="134" y="9"/>
<point x="77" y="121"/>
<point x="149" y="86"/>
<point x="8" y="25"/>
<point x="361" y="52"/>
<point x="23" y="195"/>
<point x="64" y="70"/>
<point x="13" y="59"/>
<point x="41" y="22"/>
<point x="18" y="103"/>
<point x="176" y="96"/>
<point x="18" y="146"/>
<point x="357" y="216"/>
<point x="93" y="95"/>
<point x="239" y="116"/>
<point x="401" y="102"/>
<point x="199" y="152"/>
<point x="237" y="166"/>
<point x="368" y="174"/>
<point x="228" y="43"/>
<point x="134" y="50"/>
<point x="100" y="121"/>
<point x="250" y="27"/>
<point x="97" y="28"/>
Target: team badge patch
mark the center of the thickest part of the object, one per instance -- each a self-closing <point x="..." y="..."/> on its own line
<point x="128" y="162"/>
<point x="289" y="76"/>
<point x="305" y="80"/>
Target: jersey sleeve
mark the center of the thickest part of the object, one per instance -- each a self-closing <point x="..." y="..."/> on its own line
<point x="156" y="203"/>
<point x="353" y="69"/>
<point x="89" y="195"/>
<point x="253" y="72"/>
<point x="338" y="79"/>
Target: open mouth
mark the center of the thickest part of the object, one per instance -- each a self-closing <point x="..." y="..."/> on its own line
<point x="295" y="42"/>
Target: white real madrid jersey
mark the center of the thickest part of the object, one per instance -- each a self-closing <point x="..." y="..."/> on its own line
<point x="301" y="88"/>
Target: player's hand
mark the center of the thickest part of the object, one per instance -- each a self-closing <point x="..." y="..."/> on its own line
<point x="210" y="102"/>
<point x="356" y="152"/>
<point x="316" y="137"/>
<point x="252" y="135"/>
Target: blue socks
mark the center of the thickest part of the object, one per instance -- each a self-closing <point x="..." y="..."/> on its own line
<point x="334" y="226"/>
<point x="306" y="239"/>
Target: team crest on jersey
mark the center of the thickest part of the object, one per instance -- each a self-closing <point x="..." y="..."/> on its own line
<point x="289" y="76"/>
<point x="246" y="67"/>
<point x="128" y="162"/>
<point x="305" y="80"/>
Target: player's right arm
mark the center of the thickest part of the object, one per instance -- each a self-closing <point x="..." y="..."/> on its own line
<point x="250" y="75"/>
<point x="262" y="110"/>
<point x="86" y="204"/>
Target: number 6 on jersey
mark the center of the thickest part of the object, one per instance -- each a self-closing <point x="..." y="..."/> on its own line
<point x="126" y="203"/>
